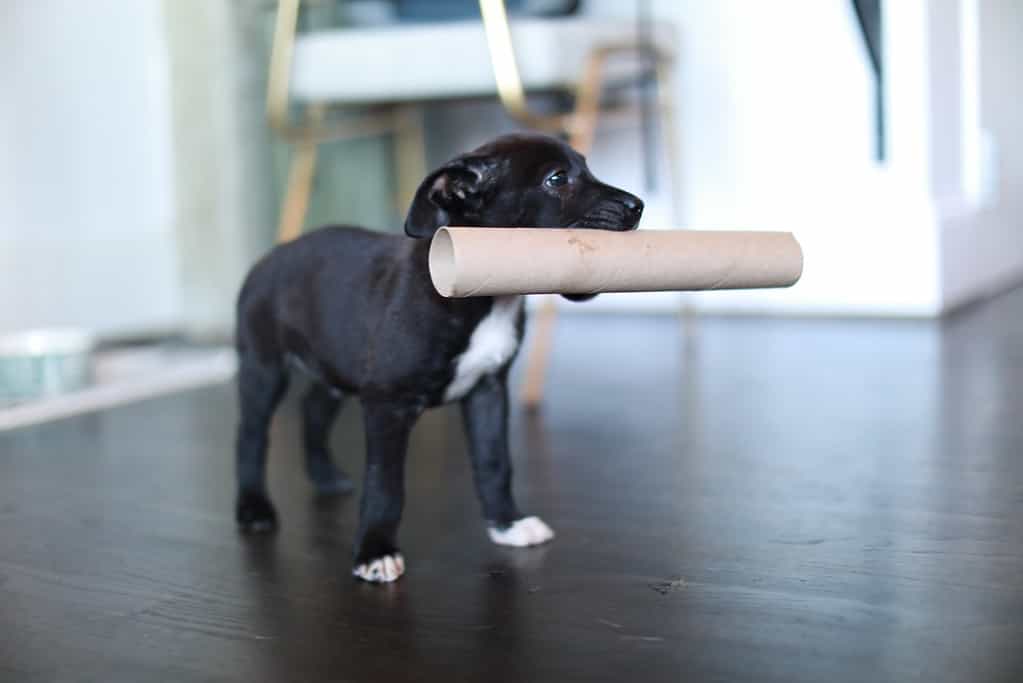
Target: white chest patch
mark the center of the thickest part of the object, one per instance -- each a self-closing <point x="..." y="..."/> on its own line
<point x="492" y="343"/>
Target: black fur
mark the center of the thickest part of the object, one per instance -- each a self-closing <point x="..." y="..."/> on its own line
<point x="356" y="310"/>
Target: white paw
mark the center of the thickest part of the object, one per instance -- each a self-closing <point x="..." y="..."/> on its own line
<point x="523" y="532"/>
<point x="381" y="570"/>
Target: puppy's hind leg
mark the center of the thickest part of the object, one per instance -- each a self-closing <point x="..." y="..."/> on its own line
<point x="319" y="410"/>
<point x="260" y="388"/>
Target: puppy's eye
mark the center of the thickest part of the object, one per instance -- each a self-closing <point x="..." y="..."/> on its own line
<point x="556" y="179"/>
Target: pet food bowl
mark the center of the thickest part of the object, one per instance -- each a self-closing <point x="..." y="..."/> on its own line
<point x="44" y="362"/>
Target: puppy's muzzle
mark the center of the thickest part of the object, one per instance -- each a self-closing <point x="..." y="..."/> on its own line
<point x="617" y="210"/>
<point x="633" y="209"/>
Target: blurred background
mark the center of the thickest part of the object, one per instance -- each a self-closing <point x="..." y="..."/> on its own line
<point x="153" y="149"/>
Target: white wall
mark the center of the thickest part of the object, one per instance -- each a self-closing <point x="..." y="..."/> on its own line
<point x="981" y="221"/>
<point x="775" y="134"/>
<point x="776" y="129"/>
<point x="85" y="168"/>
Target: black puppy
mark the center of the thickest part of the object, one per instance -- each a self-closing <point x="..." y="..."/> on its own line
<point x="356" y="310"/>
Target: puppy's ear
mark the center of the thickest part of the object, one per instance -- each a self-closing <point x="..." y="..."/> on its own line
<point x="454" y="192"/>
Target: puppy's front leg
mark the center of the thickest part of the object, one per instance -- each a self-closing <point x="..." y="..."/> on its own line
<point x="383" y="494"/>
<point x="485" y="412"/>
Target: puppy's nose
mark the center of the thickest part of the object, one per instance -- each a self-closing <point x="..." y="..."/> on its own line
<point x="634" y="205"/>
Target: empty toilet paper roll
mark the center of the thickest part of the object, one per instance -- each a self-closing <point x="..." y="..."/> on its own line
<point x="497" y="261"/>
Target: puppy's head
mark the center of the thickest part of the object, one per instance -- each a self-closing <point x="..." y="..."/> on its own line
<point x="520" y="181"/>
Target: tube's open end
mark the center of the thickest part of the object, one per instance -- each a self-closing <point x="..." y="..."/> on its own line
<point x="802" y="261"/>
<point x="442" y="263"/>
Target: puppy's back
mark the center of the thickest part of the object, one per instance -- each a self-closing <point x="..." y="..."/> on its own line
<point x="291" y="283"/>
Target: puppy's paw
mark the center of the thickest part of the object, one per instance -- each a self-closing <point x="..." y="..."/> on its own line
<point x="381" y="569"/>
<point x="255" y="513"/>
<point x="522" y="532"/>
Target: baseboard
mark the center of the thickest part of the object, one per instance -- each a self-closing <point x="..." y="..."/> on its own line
<point x="982" y="294"/>
<point x="127" y="376"/>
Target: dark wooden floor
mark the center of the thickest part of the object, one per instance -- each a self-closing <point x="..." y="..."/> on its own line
<point x="767" y="501"/>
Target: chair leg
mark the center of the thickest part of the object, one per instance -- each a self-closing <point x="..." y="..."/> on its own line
<point x="300" y="188"/>
<point x="300" y="178"/>
<point x="409" y="155"/>
<point x="539" y="353"/>
<point x="584" y="125"/>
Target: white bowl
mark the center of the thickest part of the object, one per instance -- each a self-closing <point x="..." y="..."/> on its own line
<point x="44" y="361"/>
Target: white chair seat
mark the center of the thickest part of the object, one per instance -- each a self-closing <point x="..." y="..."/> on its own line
<point x="438" y="61"/>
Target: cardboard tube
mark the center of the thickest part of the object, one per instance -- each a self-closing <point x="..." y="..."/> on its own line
<point x="498" y="261"/>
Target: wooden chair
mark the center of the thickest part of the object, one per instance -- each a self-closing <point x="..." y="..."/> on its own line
<point x="322" y="71"/>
